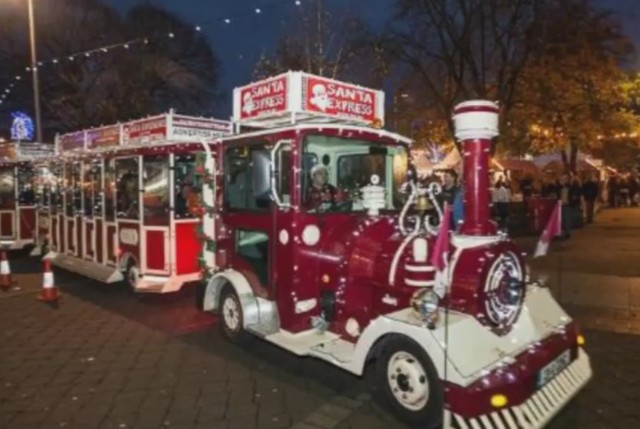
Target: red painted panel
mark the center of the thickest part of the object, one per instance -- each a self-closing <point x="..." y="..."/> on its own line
<point x="188" y="248"/>
<point x="155" y="250"/>
<point x="54" y="231"/>
<point x="79" y="242"/>
<point x="61" y="229"/>
<point x="43" y="225"/>
<point x="89" y="244"/>
<point x="129" y="239"/>
<point x="99" y="241"/>
<point x="27" y="223"/>
<point x="6" y="224"/>
<point x="111" y="245"/>
<point x="69" y="236"/>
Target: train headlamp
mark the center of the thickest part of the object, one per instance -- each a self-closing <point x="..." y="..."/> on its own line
<point x="425" y="304"/>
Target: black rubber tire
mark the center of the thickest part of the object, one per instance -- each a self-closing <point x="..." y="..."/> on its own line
<point x="130" y="265"/>
<point x="431" y="414"/>
<point x="236" y="335"/>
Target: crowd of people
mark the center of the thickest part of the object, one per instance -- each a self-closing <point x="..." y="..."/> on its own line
<point x="580" y="195"/>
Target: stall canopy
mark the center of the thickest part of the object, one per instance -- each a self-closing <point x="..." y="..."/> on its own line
<point x="514" y="164"/>
<point x="582" y="166"/>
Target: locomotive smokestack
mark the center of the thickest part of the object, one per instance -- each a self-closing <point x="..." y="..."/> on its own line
<point x="476" y="123"/>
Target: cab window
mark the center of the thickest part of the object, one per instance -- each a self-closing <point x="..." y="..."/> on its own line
<point x="336" y="168"/>
<point x="239" y="192"/>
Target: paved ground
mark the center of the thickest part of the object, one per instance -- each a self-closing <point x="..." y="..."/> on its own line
<point x="108" y="359"/>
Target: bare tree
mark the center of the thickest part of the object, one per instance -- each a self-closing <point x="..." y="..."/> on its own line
<point x="462" y="49"/>
<point x="326" y="45"/>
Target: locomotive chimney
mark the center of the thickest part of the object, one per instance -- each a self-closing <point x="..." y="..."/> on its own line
<point x="476" y="123"/>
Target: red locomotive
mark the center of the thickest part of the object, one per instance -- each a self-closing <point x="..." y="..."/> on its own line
<point x="317" y="251"/>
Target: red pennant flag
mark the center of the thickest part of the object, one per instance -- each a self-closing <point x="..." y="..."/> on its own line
<point x="553" y="229"/>
<point x="440" y="249"/>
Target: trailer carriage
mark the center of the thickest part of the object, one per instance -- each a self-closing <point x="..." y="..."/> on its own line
<point x="123" y="205"/>
<point x="23" y="175"/>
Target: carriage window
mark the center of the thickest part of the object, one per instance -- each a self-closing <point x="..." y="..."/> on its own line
<point x="7" y="189"/>
<point x="54" y="188"/>
<point x="239" y="193"/>
<point x="42" y="186"/>
<point x="186" y="188"/>
<point x="127" y="188"/>
<point x="156" y="189"/>
<point x="96" y="174"/>
<point x="73" y="189"/>
<point x="109" y="189"/>
<point x="26" y="192"/>
<point x="88" y="188"/>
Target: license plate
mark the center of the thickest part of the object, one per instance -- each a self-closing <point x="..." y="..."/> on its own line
<point x="554" y="368"/>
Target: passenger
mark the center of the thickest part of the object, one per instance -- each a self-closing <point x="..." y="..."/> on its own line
<point x="321" y="193"/>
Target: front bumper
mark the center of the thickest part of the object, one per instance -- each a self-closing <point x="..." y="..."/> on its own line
<point x="539" y="409"/>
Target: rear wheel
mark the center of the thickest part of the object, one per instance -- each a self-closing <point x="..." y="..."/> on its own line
<point x="132" y="274"/>
<point x="232" y="317"/>
<point x="406" y="380"/>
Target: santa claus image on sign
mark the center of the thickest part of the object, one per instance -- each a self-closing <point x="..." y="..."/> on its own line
<point x="320" y="97"/>
<point x="247" y="103"/>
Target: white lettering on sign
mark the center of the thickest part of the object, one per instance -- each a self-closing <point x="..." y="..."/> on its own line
<point x="338" y="99"/>
<point x="129" y="236"/>
<point x="263" y="98"/>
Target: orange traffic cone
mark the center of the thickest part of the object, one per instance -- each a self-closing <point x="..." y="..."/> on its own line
<point x="49" y="292"/>
<point x="5" y="272"/>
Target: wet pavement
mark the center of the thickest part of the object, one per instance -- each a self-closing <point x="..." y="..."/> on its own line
<point x="106" y="358"/>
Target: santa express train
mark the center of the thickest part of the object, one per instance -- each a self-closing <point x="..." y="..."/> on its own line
<point x="310" y="245"/>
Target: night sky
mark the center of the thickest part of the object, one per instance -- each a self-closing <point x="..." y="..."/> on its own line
<point x="239" y="44"/>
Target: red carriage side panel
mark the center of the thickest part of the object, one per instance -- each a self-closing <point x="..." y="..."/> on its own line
<point x="43" y="226"/>
<point x="54" y="232"/>
<point x="156" y="249"/>
<point x="188" y="248"/>
<point x="27" y="223"/>
<point x="79" y="241"/>
<point x="6" y="224"/>
<point x="129" y="240"/>
<point x="71" y="229"/>
<point x="99" y="241"/>
<point x="111" y="243"/>
<point x="88" y="240"/>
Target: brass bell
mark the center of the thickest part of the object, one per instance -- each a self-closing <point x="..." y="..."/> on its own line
<point x="422" y="203"/>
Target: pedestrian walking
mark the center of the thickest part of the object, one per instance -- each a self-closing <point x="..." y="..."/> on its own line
<point x="590" y="195"/>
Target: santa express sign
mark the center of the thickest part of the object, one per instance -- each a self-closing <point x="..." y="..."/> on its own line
<point x="300" y="95"/>
<point x="261" y="99"/>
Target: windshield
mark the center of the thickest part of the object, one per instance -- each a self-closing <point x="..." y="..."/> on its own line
<point x="336" y="168"/>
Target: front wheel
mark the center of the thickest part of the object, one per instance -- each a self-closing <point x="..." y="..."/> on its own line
<point x="231" y="317"/>
<point x="407" y="381"/>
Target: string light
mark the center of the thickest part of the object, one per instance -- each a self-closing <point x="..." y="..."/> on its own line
<point x="253" y="11"/>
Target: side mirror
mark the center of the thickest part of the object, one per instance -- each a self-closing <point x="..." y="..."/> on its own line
<point x="261" y="161"/>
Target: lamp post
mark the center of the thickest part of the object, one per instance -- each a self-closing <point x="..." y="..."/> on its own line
<point x="34" y="71"/>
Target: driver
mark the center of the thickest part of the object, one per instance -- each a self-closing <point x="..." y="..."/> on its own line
<point x="320" y="191"/>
